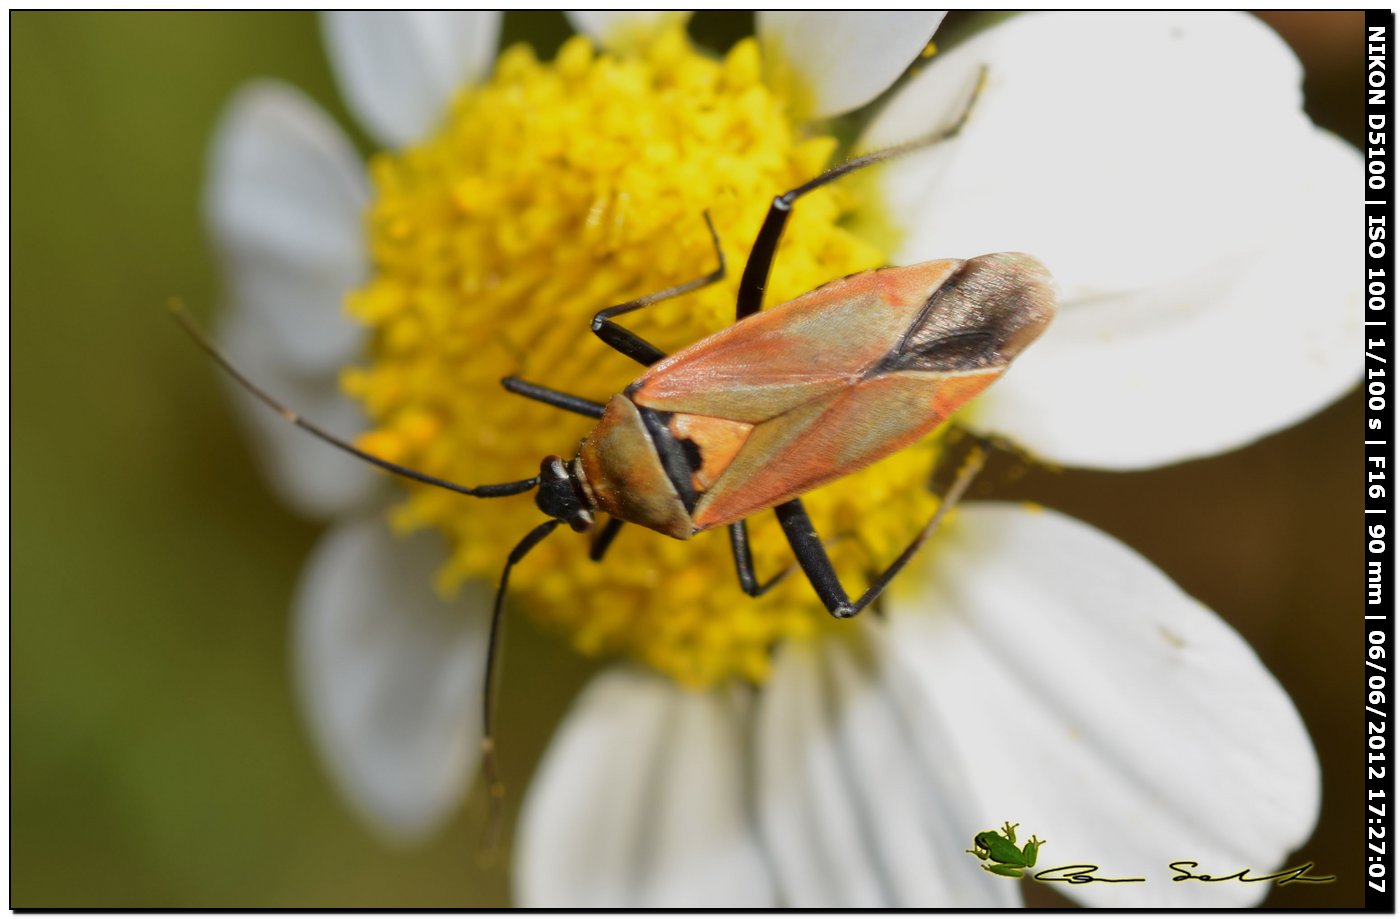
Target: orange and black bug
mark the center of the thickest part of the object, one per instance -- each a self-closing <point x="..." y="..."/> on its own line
<point x="770" y="408"/>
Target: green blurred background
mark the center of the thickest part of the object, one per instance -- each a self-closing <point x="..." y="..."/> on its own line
<point x="156" y="755"/>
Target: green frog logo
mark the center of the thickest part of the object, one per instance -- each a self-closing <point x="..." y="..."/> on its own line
<point x="1000" y="851"/>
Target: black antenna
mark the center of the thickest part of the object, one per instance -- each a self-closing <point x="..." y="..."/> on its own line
<point x="495" y="790"/>
<point x="505" y="489"/>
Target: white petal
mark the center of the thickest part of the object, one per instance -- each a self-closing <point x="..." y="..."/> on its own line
<point x="1146" y="196"/>
<point x="1113" y="183"/>
<point x="621" y="30"/>
<point x="390" y="675"/>
<point x="399" y="70"/>
<point x="1104" y="710"/>
<point x="640" y="802"/>
<point x="311" y="477"/>
<point x="1195" y="367"/>
<point x="843" y="59"/>
<point x="284" y="203"/>
<point x="858" y="803"/>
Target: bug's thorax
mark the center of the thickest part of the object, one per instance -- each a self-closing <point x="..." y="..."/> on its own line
<point x="621" y="463"/>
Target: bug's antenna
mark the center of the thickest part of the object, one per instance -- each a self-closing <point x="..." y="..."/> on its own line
<point x="495" y="790"/>
<point x="502" y="490"/>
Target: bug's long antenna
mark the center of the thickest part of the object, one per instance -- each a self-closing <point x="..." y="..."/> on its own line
<point x="495" y="790"/>
<point x="502" y="490"/>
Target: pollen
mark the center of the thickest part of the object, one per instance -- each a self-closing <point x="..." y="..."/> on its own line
<point x="550" y="192"/>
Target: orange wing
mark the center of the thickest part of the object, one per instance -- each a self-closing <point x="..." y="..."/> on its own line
<point x="831" y="437"/>
<point x="826" y="384"/>
<point x="787" y="356"/>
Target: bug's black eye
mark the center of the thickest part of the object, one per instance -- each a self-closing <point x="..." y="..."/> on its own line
<point x="558" y="497"/>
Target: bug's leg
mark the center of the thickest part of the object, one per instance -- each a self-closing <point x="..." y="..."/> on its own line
<point x="743" y="563"/>
<point x="632" y="344"/>
<point x="599" y="547"/>
<point x="562" y="400"/>
<point x="811" y="554"/>
<point x="765" y="245"/>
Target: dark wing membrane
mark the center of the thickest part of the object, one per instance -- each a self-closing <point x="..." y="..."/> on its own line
<point x="982" y="316"/>
<point x="953" y="352"/>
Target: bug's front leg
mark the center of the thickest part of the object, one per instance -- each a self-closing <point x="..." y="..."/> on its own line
<point x="599" y="547"/>
<point x="560" y="400"/>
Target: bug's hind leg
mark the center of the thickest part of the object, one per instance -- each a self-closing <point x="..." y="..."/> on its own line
<point x="765" y="245"/>
<point x="629" y="342"/>
<point x="816" y="564"/>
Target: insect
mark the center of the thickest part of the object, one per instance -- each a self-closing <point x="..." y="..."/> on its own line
<point x="774" y="406"/>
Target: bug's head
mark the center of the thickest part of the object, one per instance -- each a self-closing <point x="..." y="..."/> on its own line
<point x="560" y="497"/>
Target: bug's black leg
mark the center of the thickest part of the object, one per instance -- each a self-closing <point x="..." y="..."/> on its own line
<point x="605" y="537"/>
<point x="576" y="404"/>
<point x="811" y="554"/>
<point x="632" y="344"/>
<point x="743" y="563"/>
<point x="765" y="245"/>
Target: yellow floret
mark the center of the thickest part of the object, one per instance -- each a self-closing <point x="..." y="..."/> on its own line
<point x="551" y="192"/>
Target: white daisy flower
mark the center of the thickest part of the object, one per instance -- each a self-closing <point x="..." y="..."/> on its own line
<point x="752" y="753"/>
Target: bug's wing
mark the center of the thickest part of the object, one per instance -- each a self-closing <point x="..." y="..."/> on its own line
<point x="830" y="382"/>
<point x="981" y="315"/>
<point x="804" y="351"/>
<point x="830" y="437"/>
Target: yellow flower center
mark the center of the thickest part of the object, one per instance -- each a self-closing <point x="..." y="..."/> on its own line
<point x="551" y="192"/>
